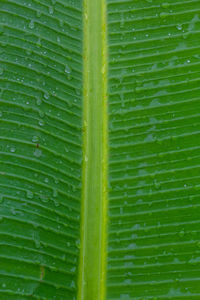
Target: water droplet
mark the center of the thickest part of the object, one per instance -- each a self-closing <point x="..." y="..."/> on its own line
<point x="35" y="139"/>
<point x="157" y="185"/>
<point x="41" y="114"/>
<point x="66" y="149"/>
<point x="51" y="10"/>
<point x="78" y="244"/>
<point x="46" y="95"/>
<point x="67" y="69"/>
<point x="78" y="93"/>
<point x="13" y="211"/>
<point x="38" y="13"/>
<point x="73" y="269"/>
<point x="38" y="44"/>
<point x="165" y="5"/>
<point x="56" y="180"/>
<point x="12" y="149"/>
<point x="41" y="122"/>
<point x="37" y="153"/>
<point x="197" y="187"/>
<point x="1" y="70"/>
<point x="181" y="233"/>
<point x="163" y="15"/>
<point x="43" y="198"/>
<point x="56" y="203"/>
<point x="29" y="194"/>
<point x="37" y="243"/>
<point x="61" y="22"/>
<point x="38" y="101"/>
<point x="28" y="52"/>
<point x="55" y="193"/>
<point x="179" y="27"/>
<point x="31" y="24"/>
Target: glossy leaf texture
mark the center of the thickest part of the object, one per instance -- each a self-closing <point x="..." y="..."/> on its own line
<point x="153" y="238"/>
<point x="41" y="99"/>
<point x="154" y="138"/>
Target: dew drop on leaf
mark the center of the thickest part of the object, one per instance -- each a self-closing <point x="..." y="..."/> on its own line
<point x="55" y="193"/>
<point x="46" y="95"/>
<point x="179" y="27"/>
<point x="78" y="244"/>
<point x="38" y="101"/>
<point x="37" y="152"/>
<point x="31" y="24"/>
<point x="38" y="13"/>
<point x="165" y="5"/>
<point x="56" y="203"/>
<point x="163" y="15"/>
<point x="29" y="194"/>
<point x="37" y="243"/>
<point x="61" y="22"/>
<point x="72" y="285"/>
<point x="12" y="149"/>
<point x="46" y="180"/>
<point x="41" y="122"/>
<point x="41" y="114"/>
<point x="35" y="139"/>
<point x="181" y="233"/>
<point x="67" y="69"/>
<point x="51" y="10"/>
<point x="56" y="181"/>
<point x="44" y="198"/>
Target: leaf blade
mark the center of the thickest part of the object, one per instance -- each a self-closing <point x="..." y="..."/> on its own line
<point x="41" y="138"/>
<point x="153" y="82"/>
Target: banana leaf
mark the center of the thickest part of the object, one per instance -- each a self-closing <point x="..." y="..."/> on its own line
<point x="99" y="149"/>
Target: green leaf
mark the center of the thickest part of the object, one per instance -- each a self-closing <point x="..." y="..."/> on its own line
<point x="99" y="149"/>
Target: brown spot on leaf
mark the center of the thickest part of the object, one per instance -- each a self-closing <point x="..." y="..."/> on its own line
<point x="42" y="273"/>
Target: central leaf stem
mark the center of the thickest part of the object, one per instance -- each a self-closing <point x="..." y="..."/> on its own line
<point x="92" y="267"/>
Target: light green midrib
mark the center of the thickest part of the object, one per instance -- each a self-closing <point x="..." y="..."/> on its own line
<point x="92" y="266"/>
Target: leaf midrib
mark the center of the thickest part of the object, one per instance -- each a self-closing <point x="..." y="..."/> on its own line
<point x="92" y="264"/>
